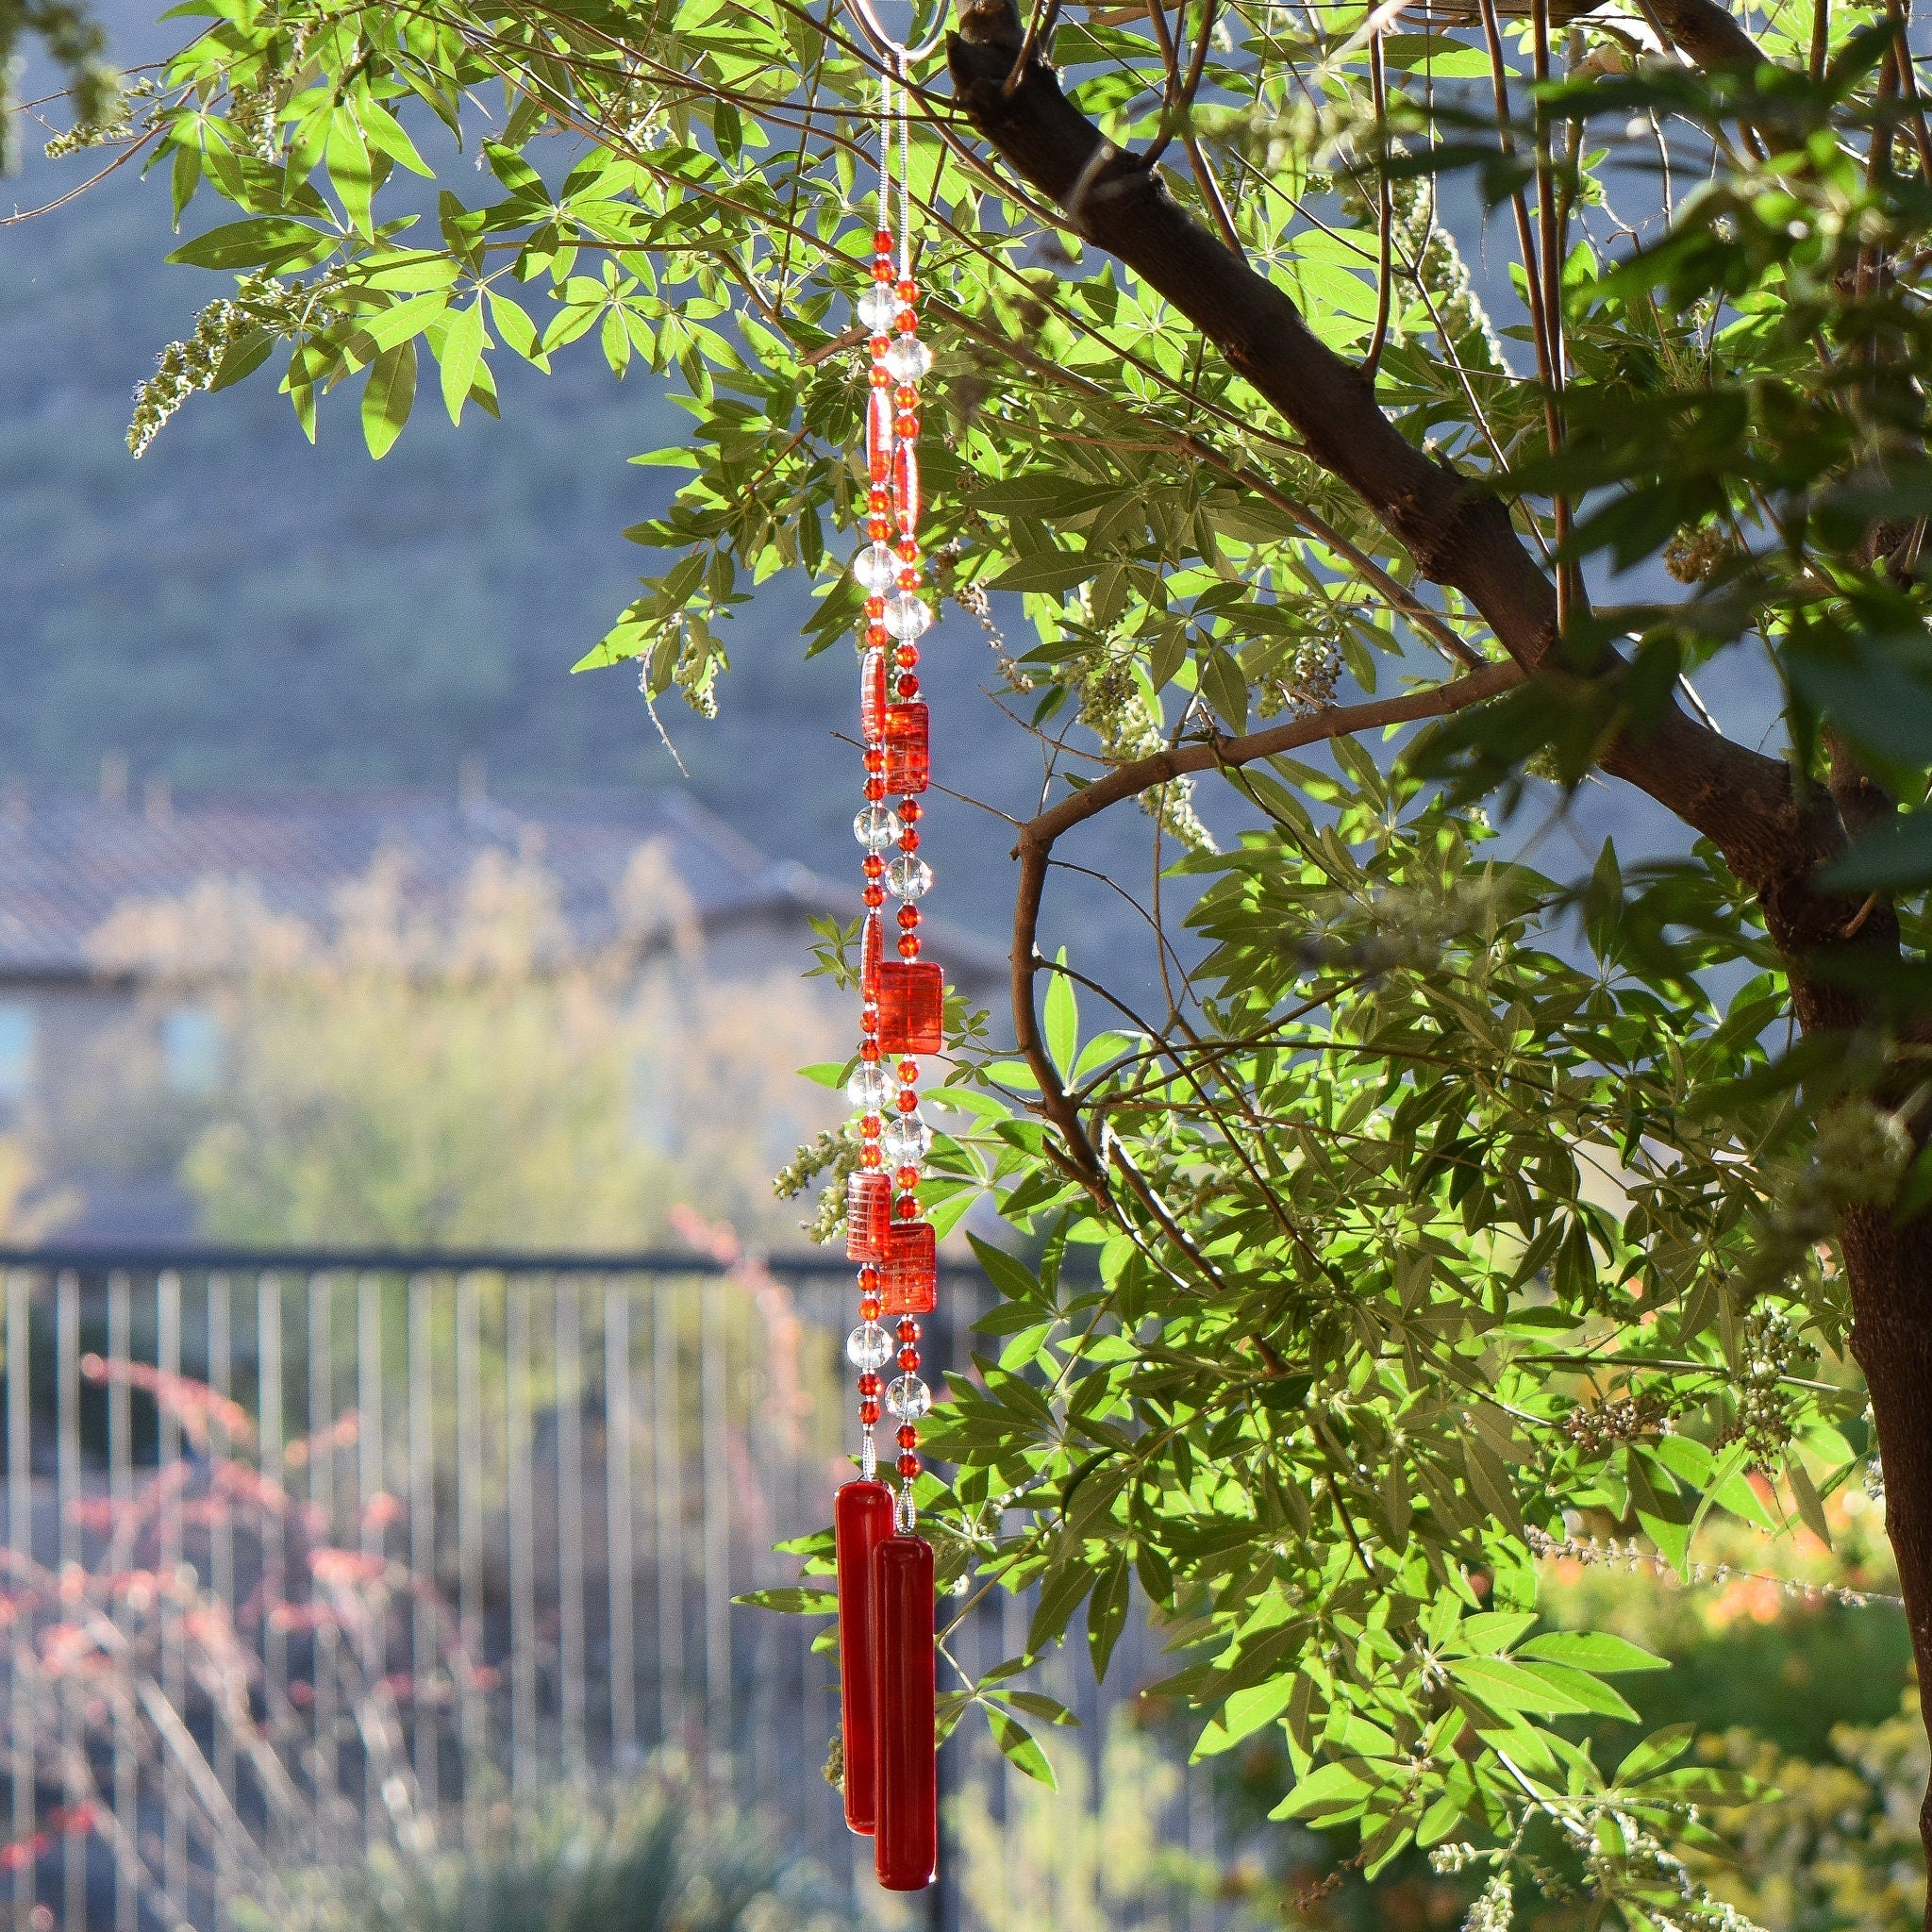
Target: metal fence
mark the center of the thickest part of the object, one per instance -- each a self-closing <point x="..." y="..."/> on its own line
<point x="307" y="1552"/>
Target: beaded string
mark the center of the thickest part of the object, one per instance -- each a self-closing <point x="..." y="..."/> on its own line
<point x="900" y="999"/>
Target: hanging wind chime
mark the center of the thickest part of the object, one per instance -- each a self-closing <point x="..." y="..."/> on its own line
<point x="886" y="1646"/>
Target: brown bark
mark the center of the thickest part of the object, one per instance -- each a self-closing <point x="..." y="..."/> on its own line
<point x="1773" y="838"/>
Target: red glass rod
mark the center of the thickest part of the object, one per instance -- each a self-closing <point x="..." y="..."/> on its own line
<point x="905" y="1842"/>
<point x="862" y="1520"/>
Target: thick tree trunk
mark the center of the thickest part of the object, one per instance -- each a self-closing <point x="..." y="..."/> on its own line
<point x="1744" y="802"/>
<point x="1891" y="1272"/>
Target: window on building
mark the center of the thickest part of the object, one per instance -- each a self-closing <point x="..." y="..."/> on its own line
<point x="190" y="1051"/>
<point x="16" y="1051"/>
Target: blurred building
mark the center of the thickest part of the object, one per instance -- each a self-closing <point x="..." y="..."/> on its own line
<point x="633" y="874"/>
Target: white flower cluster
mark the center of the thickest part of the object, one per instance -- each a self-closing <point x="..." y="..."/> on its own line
<point x="1494" y="1909"/>
<point x="287" y="309"/>
<point x="116" y="124"/>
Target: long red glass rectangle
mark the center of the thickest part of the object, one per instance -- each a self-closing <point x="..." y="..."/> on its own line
<point x="868" y="1215"/>
<point x="909" y="1270"/>
<point x="906" y="1834"/>
<point x="862" y="1520"/>
<point x="908" y="761"/>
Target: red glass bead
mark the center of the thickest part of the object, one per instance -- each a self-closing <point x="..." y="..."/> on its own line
<point x="877" y="637"/>
<point x="908" y="579"/>
<point x="908" y="1465"/>
<point x="874" y="606"/>
<point x="862" y="1520"/>
<point x="908" y="687"/>
<point x="907" y="290"/>
<point x="872" y="696"/>
<point x="875" y="866"/>
<point x="869" y="1155"/>
<point x="905" y="1179"/>
<point x="910" y="1268"/>
<point x="906" y="1832"/>
<point x="911" y="1007"/>
<point x="875" y="759"/>
<point x="909" y="1099"/>
<point x="880" y="380"/>
<point x="882" y="270"/>
<point x="874" y="895"/>
<point x="908" y="1329"/>
<point x="911" y="810"/>
<point x="874" y="789"/>
<point x="878" y="529"/>
<point x="868" y="1413"/>
<point x="908" y="916"/>
<point x="909" y="1070"/>
<point x="906" y="657"/>
<point x="909" y="1436"/>
<point x="905" y="485"/>
<point x="908" y="1209"/>
<point x="908" y="760"/>
<point x="869" y="1126"/>
<point x="907" y="422"/>
<point x="909" y="839"/>
<point x="909" y="947"/>
<point x="869" y="1309"/>
<point x="869" y="1383"/>
<point x="909" y="321"/>
<point x="869" y="1279"/>
<point x="882" y="244"/>
<point x="878" y="346"/>
<point x="908" y="1358"/>
<point x="872" y="947"/>
<point x="908" y="549"/>
<point x="869" y="1051"/>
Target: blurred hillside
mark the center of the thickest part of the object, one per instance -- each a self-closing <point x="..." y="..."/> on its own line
<point x="239" y="606"/>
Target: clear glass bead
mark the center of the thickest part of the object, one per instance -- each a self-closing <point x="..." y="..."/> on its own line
<point x="869" y="1346"/>
<point x="909" y="876"/>
<point x="875" y="827"/>
<point x="907" y="1139"/>
<point x="875" y="567"/>
<point x="868" y="1089"/>
<point x="907" y="1397"/>
<point x="907" y="616"/>
<point x="878" y="308"/>
<point x="907" y="359"/>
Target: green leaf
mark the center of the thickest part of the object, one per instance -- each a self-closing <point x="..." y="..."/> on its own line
<point x="1660" y="1748"/>
<point x="462" y="348"/>
<point x="272" y="242"/>
<point x="1062" y="1020"/>
<point x="1591" y="1650"/>
<point x="1331" y="1794"/>
<point x="1019" y="1745"/>
<point x="1056" y="571"/>
<point x="793" y="1602"/>
<point x="388" y="397"/>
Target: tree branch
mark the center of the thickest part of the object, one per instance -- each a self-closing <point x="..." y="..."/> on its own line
<point x="1037" y="838"/>
<point x="1457" y="534"/>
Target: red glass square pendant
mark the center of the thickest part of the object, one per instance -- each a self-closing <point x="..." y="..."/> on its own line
<point x="909" y="1269"/>
<point x="911" y="1004"/>
<point x="908" y="762"/>
<point x="868" y="1215"/>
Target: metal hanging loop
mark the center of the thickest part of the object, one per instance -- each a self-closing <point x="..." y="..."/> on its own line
<point x="898" y="56"/>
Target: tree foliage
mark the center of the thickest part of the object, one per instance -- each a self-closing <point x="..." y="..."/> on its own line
<point x="1444" y="1205"/>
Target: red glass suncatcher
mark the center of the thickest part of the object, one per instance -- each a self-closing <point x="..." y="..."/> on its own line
<point x="863" y="1520"/>
<point x="886" y="1649"/>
